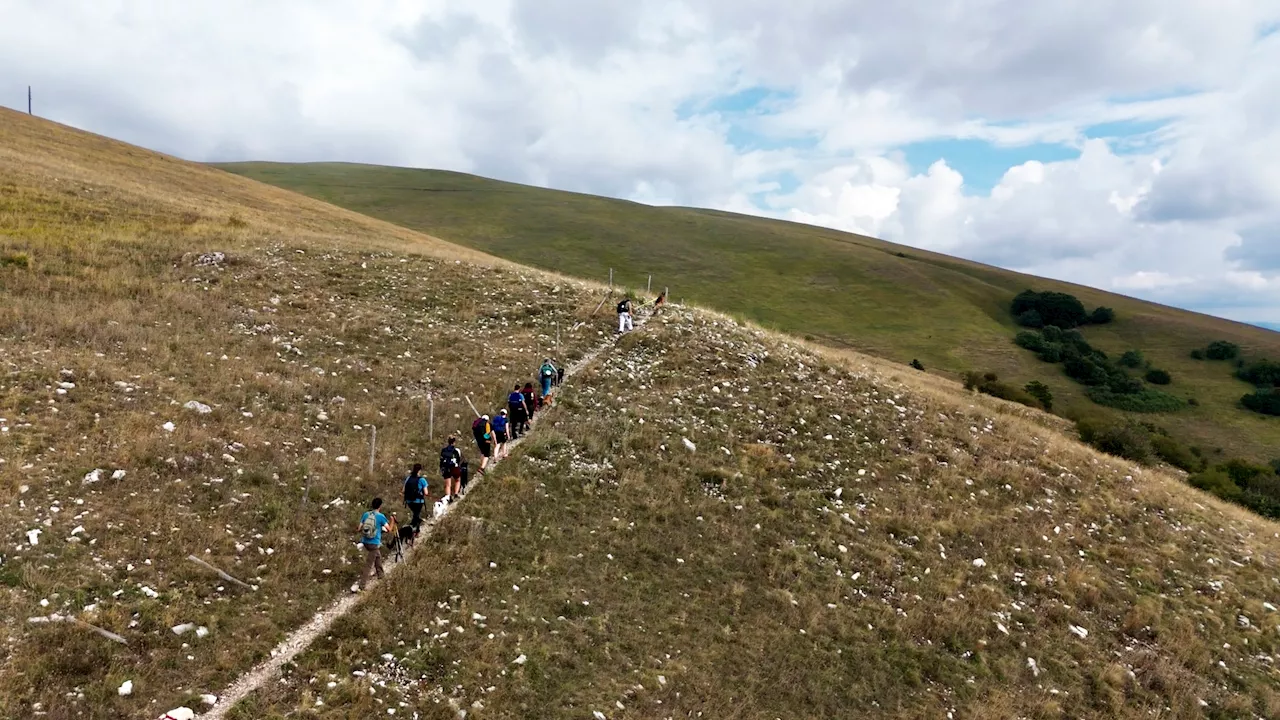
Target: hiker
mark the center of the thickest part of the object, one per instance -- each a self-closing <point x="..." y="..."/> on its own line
<point x="546" y="374"/>
<point x="415" y="495"/>
<point x="451" y="468"/>
<point x="372" y="523"/>
<point x="483" y="432"/>
<point x="500" y="434"/>
<point x="530" y="403"/>
<point x="624" y="315"/>
<point x="519" y="412"/>
<point x="559" y="375"/>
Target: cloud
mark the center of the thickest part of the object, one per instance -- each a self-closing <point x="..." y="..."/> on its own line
<point x="1146" y="132"/>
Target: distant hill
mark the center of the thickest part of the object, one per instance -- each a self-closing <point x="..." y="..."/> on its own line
<point x="840" y="289"/>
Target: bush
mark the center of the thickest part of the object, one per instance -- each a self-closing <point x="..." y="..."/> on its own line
<point x="1040" y="392"/>
<point x="1102" y="316"/>
<point x="1263" y="373"/>
<point x="989" y="384"/>
<point x="1266" y="403"/>
<point x="1128" y="441"/>
<point x="1052" y="333"/>
<point x="1197" y="354"/>
<point x="1052" y="308"/>
<point x="1222" y="350"/>
<point x="917" y="365"/>
<point x="1217" y="482"/>
<point x="1146" y="401"/>
<point x="1051" y="354"/>
<point x="1176" y="454"/>
<point x="1133" y="359"/>
<point x="15" y="259"/>
<point x="1031" y="341"/>
<point x="1158" y="377"/>
<point x="1122" y="383"/>
<point x="1085" y="371"/>
<point x="1030" y="318"/>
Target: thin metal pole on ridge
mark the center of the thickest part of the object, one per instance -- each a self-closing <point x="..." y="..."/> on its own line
<point x="373" y="447"/>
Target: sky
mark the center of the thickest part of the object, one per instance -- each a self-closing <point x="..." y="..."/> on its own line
<point x="1132" y="146"/>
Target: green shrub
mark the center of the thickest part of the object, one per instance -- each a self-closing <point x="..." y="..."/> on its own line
<point x="1222" y="350"/>
<point x="1051" y="354"/>
<point x="1176" y="454"/>
<point x="1128" y="441"/>
<point x="1102" y="316"/>
<point x="1030" y="318"/>
<point x="1133" y="359"/>
<point x="917" y="365"/>
<point x="1263" y="373"/>
<point x="1217" y="482"/>
<point x="1147" y="400"/>
<point x="1197" y="354"/>
<point x="1266" y="403"/>
<point x="1031" y="341"/>
<point x="989" y="384"/>
<point x="1052" y="308"/>
<point x="1085" y="371"/>
<point x="1122" y="383"/>
<point x="1156" y="376"/>
<point x="1052" y="333"/>
<point x="1040" y="392"/>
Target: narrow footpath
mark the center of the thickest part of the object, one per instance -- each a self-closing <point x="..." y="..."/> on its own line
<point x="302" y="638"/>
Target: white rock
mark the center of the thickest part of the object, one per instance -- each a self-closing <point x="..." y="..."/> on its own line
<point x="180" y="713"/>
<point x="1033" y="666"/>
<point x="520" y="660"/>
<point x="209" y="700"/>
<point x="979" y="562"/>
<point x="597" y="715"/>
<point x="198" y="406"/>
<point x="118" y="475"/>
<point x="33" y="536"/>
<point x="183" y="628"/>
<point x="342" y="458"/>
<point x="1078" y="631"/>
<point x="149" y="592"/>
<point x="125" y="689"/>
<point x="689" y="445"/>
<point x="202" y="631"/>
<point x="92" y="477"/>
<point x="169" y="427"/>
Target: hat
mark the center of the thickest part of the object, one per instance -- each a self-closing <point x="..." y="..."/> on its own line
<point x="503" y="411"/>
<point x="484" y="417"/>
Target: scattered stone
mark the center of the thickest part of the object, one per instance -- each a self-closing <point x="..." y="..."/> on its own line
<point x="125" y="689"/>
<point x="198" y="406"/>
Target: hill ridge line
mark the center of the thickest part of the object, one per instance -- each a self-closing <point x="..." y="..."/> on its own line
<point x="299" y="640"/>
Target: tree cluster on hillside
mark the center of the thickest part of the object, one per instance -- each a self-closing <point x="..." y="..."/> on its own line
<point x="1040" y="309"/>
<point x="1109" y="382"/>
<point x="1034" y="395"/>
<point x="1217" y="350"/>
<point x="1256" y="487"/>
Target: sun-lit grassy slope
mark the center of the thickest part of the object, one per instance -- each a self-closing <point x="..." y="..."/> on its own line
<point x="318" y="325"/>
<point x="846" y="290"/>
<point x="840" y="544"/>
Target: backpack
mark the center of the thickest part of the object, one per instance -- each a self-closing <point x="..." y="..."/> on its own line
<point x="548" y="371"/>
<point x="369" y="526"/>
<point x="624" y="306"/>
<point x="412" y="491"/>
<point x="449" y="457"/>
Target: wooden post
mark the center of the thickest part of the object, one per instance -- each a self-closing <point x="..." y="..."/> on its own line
<point x="306" y="493"/>
<point x="373" y="447"/>
<point x="431" y="418"/>
<point x="473" y="407"/>
<point x="649" y="288"/>
<point x="557" y="335"/>
<point x="610" y="278"/>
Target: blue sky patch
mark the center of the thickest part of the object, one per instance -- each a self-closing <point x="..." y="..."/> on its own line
<point x="980" y="162"/>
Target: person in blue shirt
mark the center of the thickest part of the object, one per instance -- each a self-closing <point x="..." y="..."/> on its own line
<point x="415" y="494"/>
<point x="519" y="419"/>
<point x="500" y="436"/>
<point x="372" y="522"/>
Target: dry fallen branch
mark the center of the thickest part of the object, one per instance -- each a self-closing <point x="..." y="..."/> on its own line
<point x="220" y="573"/>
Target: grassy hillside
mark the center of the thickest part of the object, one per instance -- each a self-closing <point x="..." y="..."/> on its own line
<point x="845" y="290"/>
<point x="848" y="537"/>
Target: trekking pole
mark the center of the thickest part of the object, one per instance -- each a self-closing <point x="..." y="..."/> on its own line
<point x="373" y="447"/>
<point x="473" y="407"/>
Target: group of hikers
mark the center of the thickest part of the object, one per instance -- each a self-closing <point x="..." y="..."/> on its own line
<point x="492" y="436"/>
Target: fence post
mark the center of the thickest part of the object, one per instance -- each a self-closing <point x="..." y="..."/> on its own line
<point x="649" y="288"/>
<point x="373" y="447"/>
<point x="610" y="278"/>
<point x="431" y="418"/>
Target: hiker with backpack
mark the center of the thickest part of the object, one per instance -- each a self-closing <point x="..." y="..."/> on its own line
<point x="624" y="315"/>
<point x="500" y="433"/>
<point x="372" y="523"/>
<point x="415" y="495"/>
<point x="546" y="374"/>
<point x="519" y="413"/>
<point x="530" y="403"/>
<point x="451" y="469"/>
<point x="483" y="433"/>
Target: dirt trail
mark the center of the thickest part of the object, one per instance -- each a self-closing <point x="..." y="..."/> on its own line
<point x="301" y="638"/>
